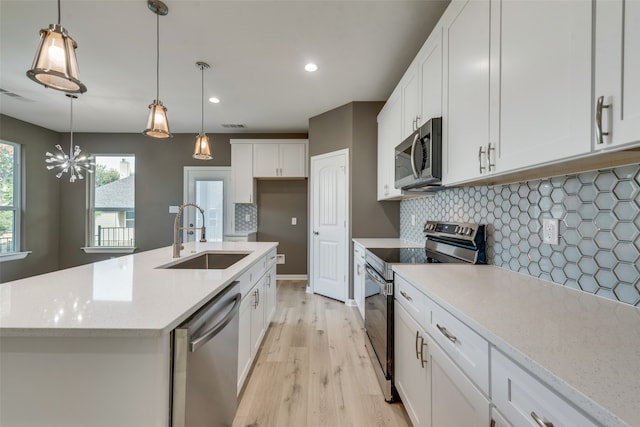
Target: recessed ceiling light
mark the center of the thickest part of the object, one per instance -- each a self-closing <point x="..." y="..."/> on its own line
<point x="214" y="100"/>
<point x="311" y="67"/>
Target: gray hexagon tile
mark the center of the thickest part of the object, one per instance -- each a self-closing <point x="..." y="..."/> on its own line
<point x="599" y="213"/>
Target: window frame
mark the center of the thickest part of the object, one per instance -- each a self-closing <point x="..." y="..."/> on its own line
<point x="16" y="206"/>
<point x="90" y="247"/>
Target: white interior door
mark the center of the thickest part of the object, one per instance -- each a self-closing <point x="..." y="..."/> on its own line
<point x="329" y="230"/>
<point x="208" y="187"/>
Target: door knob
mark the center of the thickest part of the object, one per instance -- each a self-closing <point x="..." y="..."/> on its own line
<point x="316" y="233"/>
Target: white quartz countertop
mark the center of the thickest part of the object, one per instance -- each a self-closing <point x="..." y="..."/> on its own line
<point x="585" y="347"/>
<point x="121" y="296"/>
<point x="386" y="242"/>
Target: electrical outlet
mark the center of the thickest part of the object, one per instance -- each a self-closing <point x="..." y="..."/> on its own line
<point x="280" y="259"/>
<point x="550" y="231"/>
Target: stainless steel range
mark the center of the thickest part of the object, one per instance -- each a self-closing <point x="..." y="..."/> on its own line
<point x="445" y="243"/>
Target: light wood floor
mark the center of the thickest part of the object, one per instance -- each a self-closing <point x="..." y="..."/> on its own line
<point x="313" y="369"/>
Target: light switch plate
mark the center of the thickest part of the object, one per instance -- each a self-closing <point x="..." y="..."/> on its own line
<point x="294" y="220"/>
<point x="550" y="231"/>
<point x="174" y="209"/>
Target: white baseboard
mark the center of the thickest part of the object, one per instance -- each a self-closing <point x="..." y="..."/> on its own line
<point x="291" y="277"/>
<point x="351" y="302"/>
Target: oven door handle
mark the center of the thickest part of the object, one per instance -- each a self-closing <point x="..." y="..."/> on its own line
<point x="385" y="287"/>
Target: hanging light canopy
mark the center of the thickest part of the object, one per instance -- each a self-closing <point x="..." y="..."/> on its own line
<point x="202" y="149"/>
<point x="74" y="162"/>
<point x="157" y="123"/>
<point x="55" y="63"/>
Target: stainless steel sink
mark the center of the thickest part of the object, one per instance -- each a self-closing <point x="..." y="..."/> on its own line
<point x="210" y="261"/>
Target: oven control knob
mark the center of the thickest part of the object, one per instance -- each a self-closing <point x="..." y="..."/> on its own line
<point x="457" y="230"/>
<point x="469" y="231"/>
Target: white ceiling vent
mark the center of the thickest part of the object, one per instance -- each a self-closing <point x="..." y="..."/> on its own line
<point x="234" y="126"/>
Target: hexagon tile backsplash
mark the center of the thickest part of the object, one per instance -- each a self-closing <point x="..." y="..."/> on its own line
<point x="599" y="222"/>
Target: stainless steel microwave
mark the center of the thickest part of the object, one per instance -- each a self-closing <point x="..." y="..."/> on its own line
<point x="418" y="159"/>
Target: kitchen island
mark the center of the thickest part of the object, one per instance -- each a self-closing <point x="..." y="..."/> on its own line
<point x="90" y="345"/>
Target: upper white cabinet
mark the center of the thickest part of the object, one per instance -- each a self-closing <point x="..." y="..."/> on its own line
<point x="280" y="159"/>
<point x="617" y="73"/>
<point x="465" y="127"/>
<point x="517" y="92"/>
<point x="389" y="135"/>
<point x="430" y="69"/>
<point x="410" y="106"/>
<point x="541" y="81"/>
<point x="242" y="173"/>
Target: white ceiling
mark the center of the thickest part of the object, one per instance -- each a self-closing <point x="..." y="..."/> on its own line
<point x="256" y="49"/>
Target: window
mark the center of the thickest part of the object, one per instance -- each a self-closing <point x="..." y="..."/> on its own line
<point x="111" y="210"/>
<point x="9" y="197"/>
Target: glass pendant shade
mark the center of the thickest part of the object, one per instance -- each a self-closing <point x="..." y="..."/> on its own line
<point x="157" y="123"/>
<point x="55" y="63"/>
<point x="202" y="149"/>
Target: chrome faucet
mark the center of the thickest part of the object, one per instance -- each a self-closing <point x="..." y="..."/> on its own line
<point x="177" y="246"/>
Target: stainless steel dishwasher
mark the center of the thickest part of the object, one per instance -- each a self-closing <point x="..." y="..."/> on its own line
<point x="205" y="364"/>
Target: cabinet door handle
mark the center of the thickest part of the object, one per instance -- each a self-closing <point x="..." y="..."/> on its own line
<point x="417" y="348"/>
<point x="540" y="421"/>
<point x="599" y="133"/>
<point x="422" y="346"/>
<point x="480" y="153"/>
<point x="407" y="297"/>
<point x="447" y="334"/>
<point x="491" y="148"/>
<point x="492" y="423"/>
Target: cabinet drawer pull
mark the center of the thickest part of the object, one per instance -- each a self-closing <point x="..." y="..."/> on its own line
<point x="422" y="346"/>
<point x="599" y="133"/>
<point x="407" y="297"/>
<point x="540" y="421"/>
<point x="447" y="334"/>
<point x="480" y="153"/>
<point x="417" y="350"/>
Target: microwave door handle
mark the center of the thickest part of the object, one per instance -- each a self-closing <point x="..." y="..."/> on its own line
<point x="413" y="159"/>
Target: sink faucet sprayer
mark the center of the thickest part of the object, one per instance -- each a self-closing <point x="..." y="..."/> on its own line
<point x="176" y="229"/>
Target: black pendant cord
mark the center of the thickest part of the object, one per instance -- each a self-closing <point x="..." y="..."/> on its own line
<point x="71" y="129"/>
<point x="158" y="56"/>
<point x="202" y="99"/>
<point x="58" y="12"/>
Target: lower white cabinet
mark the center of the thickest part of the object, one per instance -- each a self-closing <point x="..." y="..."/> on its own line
<point x="358" y="277"/>
<point x="498" y="420"/>
<point x="525" y="401"/>
<point x="412" y="374"/>
<point x="455" y="400"/>
<point x="256" y="311"/>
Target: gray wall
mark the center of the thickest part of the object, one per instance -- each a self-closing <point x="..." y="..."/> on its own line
<point x="41" y="200"/>
<point x="354" y="126"/>
<point x="278" y="202"/>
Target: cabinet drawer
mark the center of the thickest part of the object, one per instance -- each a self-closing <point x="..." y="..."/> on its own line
<point x="411" y="299"/>
<point x="358" y="251"/>
<point x="521" y="397"/>
<point x="463" y="345"/>
<point x="271" y="257"/>
<point x="245" y="283"/>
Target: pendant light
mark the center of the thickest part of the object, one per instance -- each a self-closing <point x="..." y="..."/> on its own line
<point x="74" y="163"/>
<point x="55" y="63"/>
<point x="157" y="123"/>
<point x="202" y="149"/>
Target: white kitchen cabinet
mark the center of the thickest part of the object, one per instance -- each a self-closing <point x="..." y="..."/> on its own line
<point x="389" y="135"/>
<point x="455" y="401"/>
<point x="465" y="127"/>
<point x="540" y="108"/>
<point x="244" y="340"/>
<point x="242" y="173"/>
<point x="270" y="288"/>
<point x="410" y="96"/>
<point x="498" y="420"/>
<point x="358" y="277"/>
<point x="258" y="303"/>
<point x="617" y="72"/>
<point x="516" y="92"/>
<point x="412" y="376"/>
<point x="281" y="159"/>
<point x="430" y="69"/>
<point x="526" y="401"/>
